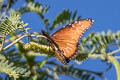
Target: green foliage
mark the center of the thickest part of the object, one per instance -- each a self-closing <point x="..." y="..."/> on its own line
<point x="39" y="48"/>
<point x="14" y="61"/>
<point x="11" y="69"/>
<point x="37" y="8"/>
<point x="1" y="3"/>
<point x="77" y="73"/>
<point x="65" y="16"/>
<point x="100" y="43"/>
<point x="11" y="24"/>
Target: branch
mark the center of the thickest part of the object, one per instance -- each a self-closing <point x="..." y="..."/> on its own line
<point x="114" y="52"/>
<point x="17" y="40"/>
<point x="7" y="7"/>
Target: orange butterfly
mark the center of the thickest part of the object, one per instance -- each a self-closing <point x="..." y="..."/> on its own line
<point x="65" y="41"/>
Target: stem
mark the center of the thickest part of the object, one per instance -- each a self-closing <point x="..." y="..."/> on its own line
<point x="102" y="56"/>
<point x="117" y="57"/>
<point x="2" y="44"/>
<point x="17" y="40"/>
<point x="117" y="66"/>
<point x="97" y="56"/>
<point x="114" y="52"/>
<point x="7" y="7"/>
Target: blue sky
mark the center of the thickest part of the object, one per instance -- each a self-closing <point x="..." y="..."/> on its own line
<point x="106" y="14"/>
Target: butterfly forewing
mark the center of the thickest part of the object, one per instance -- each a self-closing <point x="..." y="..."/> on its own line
<point x="67" y="38"/>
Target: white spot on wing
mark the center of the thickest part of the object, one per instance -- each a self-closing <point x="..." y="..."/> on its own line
<point x="73" y="25"/>
<point x="79" y="23"/>
<point x="69" y="44"/>
<point x="77" y="30"/>
<point x="82" y="26"/>
<point x="68" y="48"/>
<point x="72" y="38"/>
<point x="81" y="31"/>
<point x="92" y="20"/>
<point x="76" y="22"/>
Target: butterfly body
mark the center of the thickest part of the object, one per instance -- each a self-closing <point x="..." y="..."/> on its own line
<point x="65" y="41"/>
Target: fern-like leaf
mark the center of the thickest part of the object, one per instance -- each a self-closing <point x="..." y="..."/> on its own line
<point x="76" y="72"/>
<point x="62" y="18"/>
<point x="9" y="68"/>
<point x="11" y="24"/>
<point x="43" y="49"/>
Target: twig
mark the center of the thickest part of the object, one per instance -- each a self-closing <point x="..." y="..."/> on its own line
<point x="7" y="7"/>
<point x="114" y="52"/>
<point x="2" y="44"/>
<point x="117" y="57"/>
<point x="102" y="56"/>
<point x="17" y="40"/>
<point x="94" y="56"/>
<point x="14" y="42"/>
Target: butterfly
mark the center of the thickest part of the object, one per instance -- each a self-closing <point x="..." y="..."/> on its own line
<point x="66" y="40"/>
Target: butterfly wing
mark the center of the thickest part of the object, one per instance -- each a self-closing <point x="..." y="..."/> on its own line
<point x="67" y="38"/>
<point x="65" y="41"/>
<point x="59" y="53"/>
